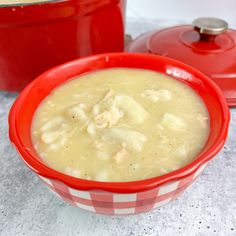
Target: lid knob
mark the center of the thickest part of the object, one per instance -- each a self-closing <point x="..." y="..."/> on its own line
<point x="210" y="25"/>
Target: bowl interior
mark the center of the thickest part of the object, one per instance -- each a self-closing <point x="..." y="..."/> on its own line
<point x="23" y="110"/>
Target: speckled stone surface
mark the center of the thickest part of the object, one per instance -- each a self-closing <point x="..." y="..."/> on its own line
<point x="27" y="207"/>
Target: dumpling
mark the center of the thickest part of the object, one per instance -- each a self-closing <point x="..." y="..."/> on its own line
<point x="134" y="139"/>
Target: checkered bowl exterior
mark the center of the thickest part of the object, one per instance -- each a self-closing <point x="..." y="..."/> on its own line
<point x="121" y="204"/>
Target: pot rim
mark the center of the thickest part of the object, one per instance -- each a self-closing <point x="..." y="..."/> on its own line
<point x="40" y="2"/>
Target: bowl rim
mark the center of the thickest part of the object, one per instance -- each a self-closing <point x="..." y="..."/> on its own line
<point x="118" y="187"/>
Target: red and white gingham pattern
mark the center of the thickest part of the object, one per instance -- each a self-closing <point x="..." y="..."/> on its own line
<point x="121" y="204"/>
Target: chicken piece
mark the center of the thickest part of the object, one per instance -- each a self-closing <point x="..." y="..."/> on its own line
<point x="109" y="118"/>
<point x="109" y="94"/>
<point x="157" y="95"/>
<point x="121" y="156"/>
<point x="135" y="112"/>
<point x="96" y="109"/>
<point x="134" y="139"/>
<point x="102" y="118"/>
<point x="116" y="115"/>
<point x="172" y="122"/>
<point x="91" y="129"/>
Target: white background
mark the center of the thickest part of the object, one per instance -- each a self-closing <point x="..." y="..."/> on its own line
<point x="182" y="10"/>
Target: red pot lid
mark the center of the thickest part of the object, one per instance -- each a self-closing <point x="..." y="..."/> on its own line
<point x="207" y="44"/>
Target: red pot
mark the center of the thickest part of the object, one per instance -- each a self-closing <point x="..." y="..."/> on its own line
<point x="36" y="37"/>
<point x="119" y="197"/>
<point x="207" y="45"/>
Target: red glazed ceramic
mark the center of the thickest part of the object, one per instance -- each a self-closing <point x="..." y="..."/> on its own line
<point x="119" y="198"/>
<point x="207" y="45"/>
<point x="36" y="37"/>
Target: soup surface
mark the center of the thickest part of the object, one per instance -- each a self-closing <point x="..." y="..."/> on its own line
<point x="120" y="125"/>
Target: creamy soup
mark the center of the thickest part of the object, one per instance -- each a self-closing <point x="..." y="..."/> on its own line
<point x="120" y="125"/>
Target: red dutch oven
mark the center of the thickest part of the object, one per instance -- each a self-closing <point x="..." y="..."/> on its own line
<point x="36" y="37"/>
<point x="207" y="45"/>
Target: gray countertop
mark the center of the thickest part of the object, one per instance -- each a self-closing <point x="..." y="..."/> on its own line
<point x="27" y="207"/>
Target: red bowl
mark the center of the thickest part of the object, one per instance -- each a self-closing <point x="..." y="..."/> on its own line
<point x="119" y="198"/>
